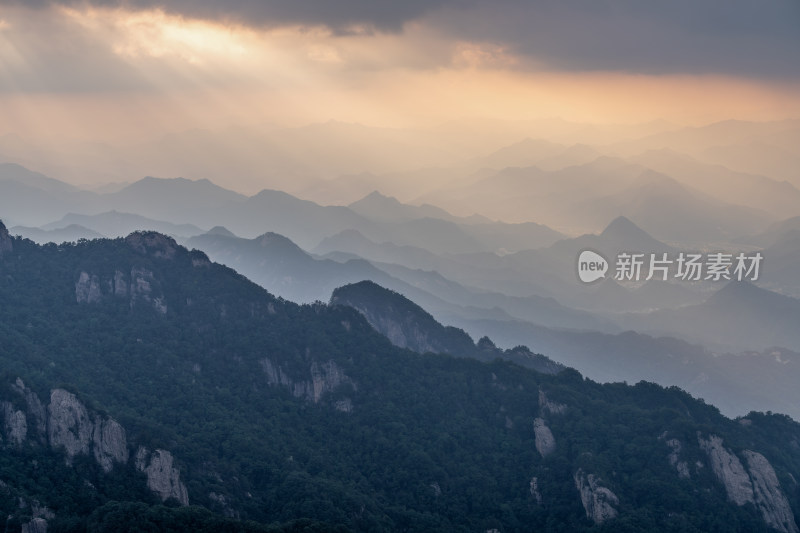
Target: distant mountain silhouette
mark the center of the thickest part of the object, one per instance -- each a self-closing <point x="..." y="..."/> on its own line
<point x="780" y="198"/>
<point x="117" y="224"/>
<point x="739" y="316"/>
<point x="72" y="233"/>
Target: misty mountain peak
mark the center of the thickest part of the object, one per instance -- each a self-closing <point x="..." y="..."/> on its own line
<point x="376" y="200"/>
<point x="744" y="293"/>
<point x="624" y="229"/>
<point x="276" y="241"/>
<point x="220" y="231"/>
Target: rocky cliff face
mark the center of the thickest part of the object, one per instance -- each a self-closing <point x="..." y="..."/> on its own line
<point x="66" y="424"/>
<point x="534" y="489"/>
<point x="162" y="477"/>
<point x="402" y="321"/>
<point x="15" y="424"/>
<point x="324" y="378"/>
<point x="729" y="470"/>
<point x="139" y="286"/>
<point x="544" y="440"/>
<point x="757" y="484"/>
<point x="674" y="459"/>
<point x="6" y="244"/>
<point x="548" y="406"/>
<point x="598" y="501"/>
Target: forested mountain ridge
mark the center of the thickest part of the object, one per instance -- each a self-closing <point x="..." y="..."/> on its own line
<point x="407" y="325"/>
<point x="276" y="412"/>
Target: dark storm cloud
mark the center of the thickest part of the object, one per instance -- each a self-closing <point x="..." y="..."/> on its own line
<point x="339" y="15"/>
<point x="735" y="37"/>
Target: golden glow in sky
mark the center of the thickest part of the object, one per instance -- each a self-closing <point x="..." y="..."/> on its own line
<point x="167" y="72"/>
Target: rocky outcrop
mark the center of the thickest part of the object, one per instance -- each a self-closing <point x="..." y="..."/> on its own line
<point x="139" y="286"/>
<point x="153" y="243"/>
<point x="6" y="244"/>
<point x="598" y="501"/>
<point x="109" y="442"/>
<point x="534" y="489"/>
<point x="674" y="458"/>
<point x="544" y="440"/>
<point x="141" y="289"/>
<point x="87" y="288"/>
<point x="729" y="470"/>
<point x="71" y="428"/>
<point x="36" y="525"/>
<point x="162" y="477"/>
<point x="758" y="484"/>
<point x="769" y="497"/>
<point x="68" y="424"/>
<point x="324" y="378"/>
<point x="35" y="410"/>
<point x="345" y="405"/>
<point x="120" y="285"/>
<point x="548" y="406"/>
<point x="15" y="424"/>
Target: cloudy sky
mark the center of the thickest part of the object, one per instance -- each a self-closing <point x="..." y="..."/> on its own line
<point x="127" y="69"/>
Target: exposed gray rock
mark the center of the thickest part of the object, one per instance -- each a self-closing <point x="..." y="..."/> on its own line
<point x="769" y="497"/>
<point x="674" y="458"/>
<point x="153" y="243"/>
<point x="35" y="409"/>
<point x="325" y="377"/>
<point x="544" y="440"/>
<point x="71" y="427"/>
<point x="40" y="511"/>
<point x="162" y="477"/>
<point x="222" y="502"/>
<point x="141" y="289"/>
<point x="598" y="501"/>
<point x="120" y="284"/>
<point x="345" y="405"/>
<point x="534" y="488"/>
<point x="6" y="244"/>
<point x="15" y="424"/>
<point x="37" y="525"/>
<point x="109" y="443"/>
<point x="87" y="288"/>
<point x="729" y="470"/>
<point x="68" y="424"/>
<point x="141" y="284"/>
<point x="275" y="374"/>
<point x="547" y="406"/>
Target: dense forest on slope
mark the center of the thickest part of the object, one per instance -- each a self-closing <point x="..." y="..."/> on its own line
<point x="304" y="417"/>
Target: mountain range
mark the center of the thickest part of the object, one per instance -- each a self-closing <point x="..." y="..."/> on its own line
<point x="180" y="392"/>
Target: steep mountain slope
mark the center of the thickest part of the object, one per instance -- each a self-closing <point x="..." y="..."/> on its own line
<point x="274" y="412"/>
<point x="407" y="325"/>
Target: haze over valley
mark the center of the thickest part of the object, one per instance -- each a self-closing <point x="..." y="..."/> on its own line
<point x="424" y="267"/>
